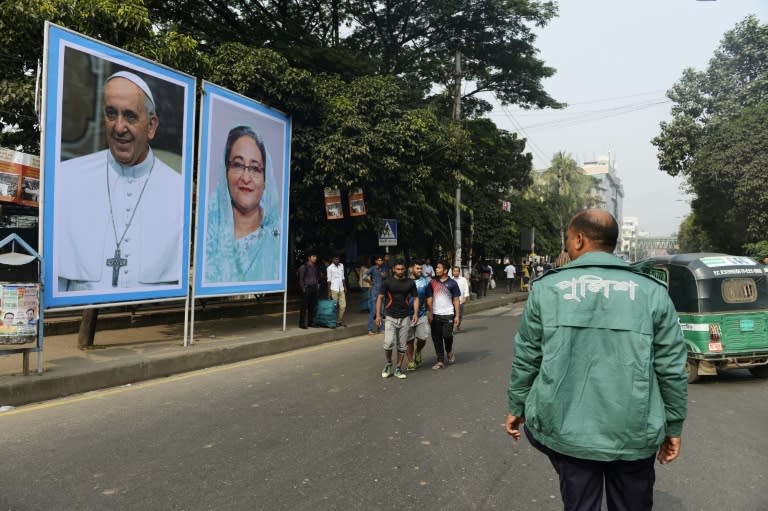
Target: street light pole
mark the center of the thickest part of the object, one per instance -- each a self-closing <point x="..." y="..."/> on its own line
<point x="456" y="116"/>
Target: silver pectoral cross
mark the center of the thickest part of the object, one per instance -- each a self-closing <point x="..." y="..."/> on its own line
<point x="116" y="263"/>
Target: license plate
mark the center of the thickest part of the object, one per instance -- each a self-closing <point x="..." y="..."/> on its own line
<point x="716" y="347"/>
<point x="747" y="325"/>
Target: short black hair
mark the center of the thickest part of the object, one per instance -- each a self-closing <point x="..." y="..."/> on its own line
<point x="598" y="226"/>
<point x="444" y="264"/>
<point x="398" y="262"/>
<point x="417" y="261"/>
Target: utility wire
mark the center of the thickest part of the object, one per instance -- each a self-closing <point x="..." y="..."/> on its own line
<point x="597" y="115"/>
<point x="518" y="127"/>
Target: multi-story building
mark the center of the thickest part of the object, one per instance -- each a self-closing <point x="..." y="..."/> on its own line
<point x="610" y="188"/>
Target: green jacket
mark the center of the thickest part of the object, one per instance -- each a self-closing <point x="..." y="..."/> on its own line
<point x="599" y="368"/>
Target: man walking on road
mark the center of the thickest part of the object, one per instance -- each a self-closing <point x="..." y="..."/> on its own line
<point x="374" y="276"/>
<point x="510" y="271"/>
<point x="308" y="288"/>
<point x="463" y="290"/>
<point x="402" y="302"/>
<point x="337" y="288"/>
<point x="443" y="312"/>
<point x="419" y="330"/>
<point x="599" y="376"/>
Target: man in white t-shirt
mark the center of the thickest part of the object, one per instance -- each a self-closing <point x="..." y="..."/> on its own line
<point x="463" y="288"/>
<point x="510" y="271"/>
<point x="337" y="288"/>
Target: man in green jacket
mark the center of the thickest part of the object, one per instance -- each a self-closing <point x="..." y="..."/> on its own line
<point x="598" y="377"/>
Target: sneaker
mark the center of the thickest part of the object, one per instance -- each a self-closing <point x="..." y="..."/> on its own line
<point x="387" y="371"/>
<point x="411" y="366"/>
<point x="417" y="358"/>
<point x="400" y="374"/>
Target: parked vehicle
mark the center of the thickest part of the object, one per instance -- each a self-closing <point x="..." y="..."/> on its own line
<point x="722" y="301"/>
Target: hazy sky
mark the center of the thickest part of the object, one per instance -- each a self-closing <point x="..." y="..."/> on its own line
<point x="615" y="60"/>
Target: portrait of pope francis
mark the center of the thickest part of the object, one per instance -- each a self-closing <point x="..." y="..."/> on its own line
<point x="119" y="211"/>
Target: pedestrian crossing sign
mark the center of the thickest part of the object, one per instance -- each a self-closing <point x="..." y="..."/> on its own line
<point x="388" y="232"/>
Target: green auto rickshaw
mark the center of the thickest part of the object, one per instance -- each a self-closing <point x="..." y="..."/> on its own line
<point x="722" y="301"/>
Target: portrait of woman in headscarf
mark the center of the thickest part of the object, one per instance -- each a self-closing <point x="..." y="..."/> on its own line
<point x="242" y="230"/>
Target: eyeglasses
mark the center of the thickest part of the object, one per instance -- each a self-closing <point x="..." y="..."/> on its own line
<point x="238" y="168"/>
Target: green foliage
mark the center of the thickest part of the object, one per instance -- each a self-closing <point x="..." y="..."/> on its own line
<point x="730" y="171"/>
<point x="717" y="139"/>
<point x="417" y="40"/>
<point x="691" y="238"/>
<point x="357" y="78"/>
<point x="564" y="189"/>
<point x="124" y="24"/>
<point x="496" y="169"/>
<point x="758" y="250"/>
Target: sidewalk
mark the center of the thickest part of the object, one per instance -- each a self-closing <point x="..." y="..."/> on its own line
<point x="141" y="353"/>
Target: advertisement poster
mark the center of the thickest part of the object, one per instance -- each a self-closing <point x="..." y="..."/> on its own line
<point x="117" y="166"/>
<point x="19" y="177"/>
<point x="242" y="213"/>
<point x="18" y="313"/>
<point x="356" y="203"/>
<point x="333" y="209"/>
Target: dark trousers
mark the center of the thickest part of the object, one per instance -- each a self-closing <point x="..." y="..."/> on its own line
<point x="308" y="306"/>
<point x="442" y="335"/>
<point x="628" y="484"/>
<point x="484" y="283"/>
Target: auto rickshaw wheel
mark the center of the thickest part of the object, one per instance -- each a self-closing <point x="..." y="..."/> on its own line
<point x="692" y="370"/>
<point x="759" y="371"/>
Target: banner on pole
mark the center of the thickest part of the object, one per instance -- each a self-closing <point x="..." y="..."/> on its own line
<point x="356" y="202"/>
<point x="19" y="177"/>
<point x="333" y="210"/>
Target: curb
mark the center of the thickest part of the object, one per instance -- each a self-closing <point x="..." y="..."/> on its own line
<point x="20" y="390"/>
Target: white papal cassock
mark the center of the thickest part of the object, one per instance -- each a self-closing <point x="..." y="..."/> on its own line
<point x="84" y="236"/>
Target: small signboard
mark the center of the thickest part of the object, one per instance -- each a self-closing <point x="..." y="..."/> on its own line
<point x="388" y="232"/>
<point x="19" y="310"/>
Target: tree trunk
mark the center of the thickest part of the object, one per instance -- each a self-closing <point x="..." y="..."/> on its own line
<point x="87" y="328"/>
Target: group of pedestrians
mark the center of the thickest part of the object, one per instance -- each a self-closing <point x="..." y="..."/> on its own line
<point x="413" y="308"/>
<point x="309" y="281"/>
<point x="409" y="304"/>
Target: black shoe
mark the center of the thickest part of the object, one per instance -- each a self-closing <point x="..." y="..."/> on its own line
<point x="303" y="326"/>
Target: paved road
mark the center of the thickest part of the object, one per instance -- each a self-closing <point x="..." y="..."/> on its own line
<point x="319" y="429"/>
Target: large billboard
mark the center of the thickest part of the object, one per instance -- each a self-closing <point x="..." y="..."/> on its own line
<point x="242" y="207"/>
<point x="117" y="172"/>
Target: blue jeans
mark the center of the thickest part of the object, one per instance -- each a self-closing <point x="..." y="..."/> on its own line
<point x="372" y="311"/>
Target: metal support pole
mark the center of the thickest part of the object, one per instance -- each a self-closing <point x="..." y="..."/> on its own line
<point x="456" y="117"/>
<point x="457" y="235"/>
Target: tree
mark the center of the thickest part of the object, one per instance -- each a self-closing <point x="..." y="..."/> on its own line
<point x="356" y="78"/>
<point x="730" y="171"/>
<point x="566" y="189"/>
<point x="125" y="24"/>
<point x="717" y="140"/>
<point x="416" y="39"/>
<point x="496" y="169"/>
<point x="691" y="238"/>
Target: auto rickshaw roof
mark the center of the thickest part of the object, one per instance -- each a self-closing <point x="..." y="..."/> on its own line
<point x="704" y="265"/>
